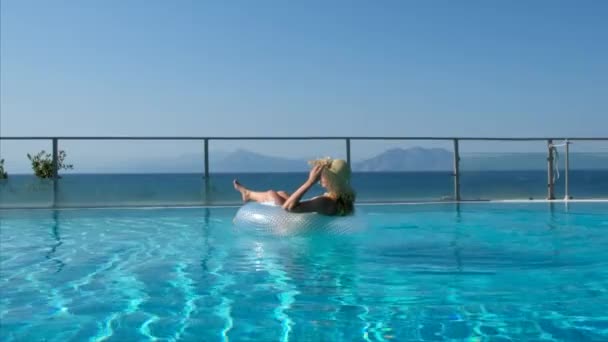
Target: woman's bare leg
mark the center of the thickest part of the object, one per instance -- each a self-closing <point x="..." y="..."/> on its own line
<point x="277" y="198"/>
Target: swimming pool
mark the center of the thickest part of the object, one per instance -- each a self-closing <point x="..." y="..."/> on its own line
<point x="475" y="271"/>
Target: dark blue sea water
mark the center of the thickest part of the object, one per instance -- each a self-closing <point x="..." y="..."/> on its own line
<point x="76" y="190"/>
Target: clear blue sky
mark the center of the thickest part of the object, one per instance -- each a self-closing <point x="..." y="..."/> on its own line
<point x="443" y="68"/>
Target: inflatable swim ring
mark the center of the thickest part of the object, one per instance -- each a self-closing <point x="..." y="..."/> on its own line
<point x="276" y="220"/>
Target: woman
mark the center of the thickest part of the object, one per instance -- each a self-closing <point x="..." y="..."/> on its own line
<point x="334" y="175"/>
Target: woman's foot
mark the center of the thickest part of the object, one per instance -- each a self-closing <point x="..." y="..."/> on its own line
<point x="240" y="188"/>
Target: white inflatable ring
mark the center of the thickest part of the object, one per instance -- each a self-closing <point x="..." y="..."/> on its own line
<point x="276" y="220"/>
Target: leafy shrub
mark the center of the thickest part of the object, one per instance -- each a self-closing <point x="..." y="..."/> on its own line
<point x="3" y="174"/>
<point x="42" y="163"/>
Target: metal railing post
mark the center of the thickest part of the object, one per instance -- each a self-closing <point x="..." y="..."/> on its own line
<point x="550" y="181"/>
<point x="55" y="170"/>
<point x="348" y="151"/>
<point x="567" y="184"/>
<point x="206" y="158"/>
<point x="456" y="171"/>
<point x="206" y="176"/>
<point x="55" y="159"/>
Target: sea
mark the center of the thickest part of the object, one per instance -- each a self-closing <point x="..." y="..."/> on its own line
<point x="192" y="189"/>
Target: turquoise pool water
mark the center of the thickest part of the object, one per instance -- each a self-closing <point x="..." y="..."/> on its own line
<point x="473" y="272"/>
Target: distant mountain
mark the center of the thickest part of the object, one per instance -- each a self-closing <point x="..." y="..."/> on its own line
<point x="247" y="161"/>
<point x="411" y="159"/>
<point x="238" y="161"/>
<point x="530" y="161"/>
<point x="396" y="159"/>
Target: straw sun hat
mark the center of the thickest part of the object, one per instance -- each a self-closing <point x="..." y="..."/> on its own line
<point x="337" y="173"/>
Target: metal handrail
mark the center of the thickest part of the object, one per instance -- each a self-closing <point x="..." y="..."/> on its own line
<point x="346" y="139"/>
<point x="300" y="138"/>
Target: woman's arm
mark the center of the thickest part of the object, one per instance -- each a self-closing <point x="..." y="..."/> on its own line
<point x="294" y="199"/>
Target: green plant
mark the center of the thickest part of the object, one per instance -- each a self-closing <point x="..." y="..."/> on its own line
<point x="42" y="164"/>
<point x="3" y="174"/>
